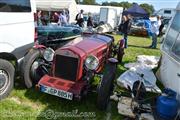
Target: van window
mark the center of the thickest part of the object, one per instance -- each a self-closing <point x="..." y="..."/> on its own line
<point x="176" y="48"/>
<point x="167" y="11"/>
<point x="175" y="23"/>
<point x="172" y="33"/>
<point x="15" y="6"/>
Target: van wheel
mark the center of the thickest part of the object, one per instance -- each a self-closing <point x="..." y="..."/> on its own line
<point x="31" y="71"/>
<point x="105" y="87"/>
<point x="6" y="78"/>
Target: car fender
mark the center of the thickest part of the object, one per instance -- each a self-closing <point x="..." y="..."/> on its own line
<point x="121" y="43"/>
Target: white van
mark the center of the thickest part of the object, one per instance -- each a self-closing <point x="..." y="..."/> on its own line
<point x="17" y="33"/>
<point x="170" y="62"/>
<point x="166" y="12"/>
<point x="108" y="15"/>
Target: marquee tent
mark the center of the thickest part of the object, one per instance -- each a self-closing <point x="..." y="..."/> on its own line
<point x="136" y="11"/>
<point x="57" y="5"/>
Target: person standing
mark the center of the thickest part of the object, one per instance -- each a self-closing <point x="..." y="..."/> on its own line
<point x="55" y="17"/>
<point x="160" y="25"/>
<point x="80" y="19"/>
<point x="147" y="26"/>
<point x="155" y="24"/>
<point x="63" y="18"/>
<point x="67" y="15"/>
<point x="44" y="18"/>
<point x="90" y="22"/>
<point x="126" y="28"/>
<point x="39" y="15"/>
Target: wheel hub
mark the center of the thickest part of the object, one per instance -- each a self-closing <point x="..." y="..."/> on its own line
<point x="36" y="70"/>
<point x="3" y="79"/>
<point x="35" y="65"/>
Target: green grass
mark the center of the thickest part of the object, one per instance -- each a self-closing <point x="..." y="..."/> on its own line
<point x="29" y="104"/>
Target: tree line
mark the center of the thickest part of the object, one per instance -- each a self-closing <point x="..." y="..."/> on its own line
<point x="147" y="7"/>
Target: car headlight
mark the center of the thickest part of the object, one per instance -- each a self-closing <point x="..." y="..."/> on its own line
<point x="92" y="62"/>
<point x="48" y="54"/>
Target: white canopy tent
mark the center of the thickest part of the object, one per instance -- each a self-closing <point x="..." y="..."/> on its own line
<point x="56" y="5"/>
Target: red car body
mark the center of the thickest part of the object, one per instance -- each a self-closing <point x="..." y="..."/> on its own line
<point x="69" y="77"/>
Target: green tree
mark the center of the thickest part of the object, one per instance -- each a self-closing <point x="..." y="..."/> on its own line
<point x="121" y="4"/>
<point x="89" y="2"/>
<point x="110" y="4"/>
<point x="148" y="8"/>
<point x="125" y="5"/>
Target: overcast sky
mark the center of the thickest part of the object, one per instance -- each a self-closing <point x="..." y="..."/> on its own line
<point x="158" y="4"/>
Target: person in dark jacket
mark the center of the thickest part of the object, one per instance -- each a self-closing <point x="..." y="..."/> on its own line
<point x="90" y="21"/>
<point x="80" y="19"/>
<point x="126" y="27"/>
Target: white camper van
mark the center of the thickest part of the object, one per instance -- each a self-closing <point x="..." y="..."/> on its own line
<point x="170" y="62"/>
<point x="166" y="12"/>
<point x="17" y="33"/>
<point x="108" y="15"/>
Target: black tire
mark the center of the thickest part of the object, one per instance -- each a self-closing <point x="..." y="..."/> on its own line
<point x="7" y="71"/>
<point x="29" y="59"/>
<point x="120" y="54"/>
<point x="139" y="90"/>
<point x="106" y="86"/>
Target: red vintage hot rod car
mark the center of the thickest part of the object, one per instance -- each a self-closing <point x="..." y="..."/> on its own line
<point x="67" y="71"/>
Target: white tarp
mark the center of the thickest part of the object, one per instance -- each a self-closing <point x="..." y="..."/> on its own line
<point x="144" y="61"/>
<point x="57" y="5"/>
<point x="144" y="65"/>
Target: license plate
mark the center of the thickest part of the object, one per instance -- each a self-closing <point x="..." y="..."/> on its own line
<point x="56" y="92"/>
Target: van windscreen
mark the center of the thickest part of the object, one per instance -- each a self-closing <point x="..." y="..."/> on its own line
<point x="15" y="6"/>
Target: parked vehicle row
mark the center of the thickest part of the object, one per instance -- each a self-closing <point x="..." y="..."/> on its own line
<point x="60" y="61"/>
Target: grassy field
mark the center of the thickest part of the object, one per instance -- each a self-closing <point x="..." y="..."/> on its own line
<point x="30" y="104"/>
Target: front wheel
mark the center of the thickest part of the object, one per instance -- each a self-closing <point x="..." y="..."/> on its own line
<point x="32" y="69"/>
<point x="106" y="86"/>
<point x="6" y="78"/>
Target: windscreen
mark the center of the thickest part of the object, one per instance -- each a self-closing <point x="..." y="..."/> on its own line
<point x="15" y="6"/>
